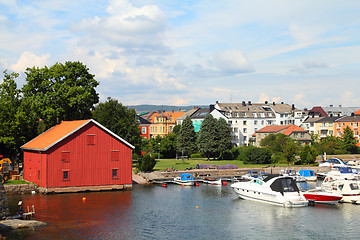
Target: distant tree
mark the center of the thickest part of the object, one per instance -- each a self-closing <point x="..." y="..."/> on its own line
<point x="168" y="145"/>
<point x="61" y="92"/>
<point x="255" y="155"/>
<point x="349" y="141"/>
<point x="176" y="129"/>
<point x="223" y="137"/>
<point x="207" y="136"/>
<point x="308" y="155"/>
<point x="120" y="120"/>
<point x="331" y="145"/>
<point x="186" y="139"/>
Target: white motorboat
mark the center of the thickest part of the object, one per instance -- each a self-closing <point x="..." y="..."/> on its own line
<point x="185" y="179"/>
<point x="273" y="189"/>
<point x="212" y="181"/>
<point x="349" y="189"/>
<point x="250" y="175"/>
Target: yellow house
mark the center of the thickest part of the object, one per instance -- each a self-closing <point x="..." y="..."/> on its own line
<point x="325" y="127"/>
<point x="162" y="123"/>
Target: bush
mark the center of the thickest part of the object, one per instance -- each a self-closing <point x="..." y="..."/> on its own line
<point x="255" y="155"/>
<point x="196" y="155"/>
<point x="227" y="155"/>
<point x="279" y="158"/>
<point x="146" y="163"/>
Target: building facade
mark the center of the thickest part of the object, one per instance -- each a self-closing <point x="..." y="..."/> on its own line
<point x="78" y="156"/>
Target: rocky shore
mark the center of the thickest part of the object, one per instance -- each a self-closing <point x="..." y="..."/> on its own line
<point x="11" y="224"/>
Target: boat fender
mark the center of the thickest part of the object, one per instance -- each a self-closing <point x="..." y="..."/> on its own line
<point x="311" y="203"/>
<point x="164" y="185"/>
<point x="197" y="184"/>
<point x="224" y="183"/>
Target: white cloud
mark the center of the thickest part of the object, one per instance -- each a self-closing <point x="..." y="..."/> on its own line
<point x="231" y="62"/>
<point x="29" y="59"/>
<point x="135" y="29"/>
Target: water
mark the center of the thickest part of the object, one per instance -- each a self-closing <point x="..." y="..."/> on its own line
<point x="204" y="212"/>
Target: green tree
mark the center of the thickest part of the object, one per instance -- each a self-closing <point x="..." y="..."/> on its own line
<point x="308" y="155"/>
<point x="120" y="120"/>
<point x="146" y="163"/>
<point x="207" y="137"/>
<point x="331" y="145"/>
<point x="186" y="140"/>
<point x="349" y="141"/>
<point x="255" y="155"/>
<point x="223" y="137"/>
<point x="61" y="92"/>
<point x="16" y="125"/>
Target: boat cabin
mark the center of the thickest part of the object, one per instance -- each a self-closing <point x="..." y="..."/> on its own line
<point x="307" y="173"/>
<point x="186" y="177"/>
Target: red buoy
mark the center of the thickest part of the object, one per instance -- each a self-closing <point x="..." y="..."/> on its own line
<point x="197" y="184"/>
<point x="224" y="183"/>
<point x="164" y="185"/>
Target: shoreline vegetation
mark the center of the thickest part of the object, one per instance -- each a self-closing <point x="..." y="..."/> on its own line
<point x="180" y="164"/>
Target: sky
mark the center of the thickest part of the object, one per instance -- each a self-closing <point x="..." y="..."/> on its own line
<point x="193" y="52"/>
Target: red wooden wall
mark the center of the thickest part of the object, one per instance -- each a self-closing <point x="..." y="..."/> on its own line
<point x="87" y="164"/>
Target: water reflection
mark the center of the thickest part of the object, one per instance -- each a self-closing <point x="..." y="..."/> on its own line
<point x="203" y="212"/>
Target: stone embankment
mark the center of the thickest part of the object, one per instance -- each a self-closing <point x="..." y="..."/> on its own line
<point x="219" y="173"/>
<point x="20" y="188"/>
<point x="11" y="224"/>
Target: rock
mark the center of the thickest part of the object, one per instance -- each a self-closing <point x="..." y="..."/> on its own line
<point x="18" y="223"/>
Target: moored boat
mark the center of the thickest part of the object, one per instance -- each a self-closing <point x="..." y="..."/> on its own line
<point x="308" y="174"/>
<point x="250" y="175"/>
<point x="212" y="181"/>
<point x="321" y="196"/>
<point x="349" y="189"/>
<point x="185" y="179"/>
<point x="273" y="189"/>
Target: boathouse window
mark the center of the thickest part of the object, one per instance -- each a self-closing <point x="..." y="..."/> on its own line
<point x="115" y="155"/>
<point x="65" y="156"/>
<point x="114" y="173"/>
<point x="90" y="139"/>
<point x="66" y="175"/>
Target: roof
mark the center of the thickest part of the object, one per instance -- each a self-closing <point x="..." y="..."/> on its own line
<point x="355" y="118"/>
<point x="285" y="129"/>
<point x="61" y="131"/>
<point x="200" y="113"/>
<point x="173" y="115"/>
<point x="357" y="112"/>
<point x="188" y="113"/>
<point x="313" y="119"/>
<point x="318" y="110"/>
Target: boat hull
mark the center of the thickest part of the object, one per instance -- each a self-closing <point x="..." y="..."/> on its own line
<point x="288" y="200"/>
<point x="323" y="197"/>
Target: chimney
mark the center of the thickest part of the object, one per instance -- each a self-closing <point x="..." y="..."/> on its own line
<point x="243" y="103"/>
<point x="293" y="107"/>
<point x="282" y="102"/>
<point x="266" y="102"/>
<point x="249" y="103"/>
<point x="212" y="107"/>
<point x="331" y="105"/>
<point x="217" y="102"/>
<point x="274" y="103"/>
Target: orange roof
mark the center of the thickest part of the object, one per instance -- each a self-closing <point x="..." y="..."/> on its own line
<point x="59" y="132"/>
<point x="174" y="115"/>
<point x="287" y="129"/>
<point x="357" y="112"/>
<point x="293" y="128"/>
<point x="54" y="135"/>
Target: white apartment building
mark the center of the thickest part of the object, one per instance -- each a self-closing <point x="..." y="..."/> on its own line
<point x="246" y="118"/>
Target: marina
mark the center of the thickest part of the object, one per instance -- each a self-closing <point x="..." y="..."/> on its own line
<point x="198" y="212"/>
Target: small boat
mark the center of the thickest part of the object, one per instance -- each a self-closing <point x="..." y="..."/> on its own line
<point x="250" y="175"/>
<point x="212" y="181"/>
<point x="185" y="179"/>
<point x="333" y="162"/>
<point x="293" y="174"/>
<point x="342" y="173"/>
<point x="349" y="189"/>
<point x="273" y="189"/>
<point x="321" y="196"/>
<point x="308" y="174"/>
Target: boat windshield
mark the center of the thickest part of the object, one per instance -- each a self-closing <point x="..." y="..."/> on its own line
<point x="354" y="186"/>
<point x="284" y="185"/>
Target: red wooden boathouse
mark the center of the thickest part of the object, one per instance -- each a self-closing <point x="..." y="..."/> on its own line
<point x="76" y="156"/>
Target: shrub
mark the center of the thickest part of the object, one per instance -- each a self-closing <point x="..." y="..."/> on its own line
<point x="146" y="163"/>
<point x="255" y="155"/>
<point x="278" y="158"/>
<point x="227" y="155"/>
<point x="196" y="155"/>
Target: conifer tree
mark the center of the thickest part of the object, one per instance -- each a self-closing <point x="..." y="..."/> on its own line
<point x="207" y="141"/>
<point x="186" y="137"/>
<point x="223" y="136"/>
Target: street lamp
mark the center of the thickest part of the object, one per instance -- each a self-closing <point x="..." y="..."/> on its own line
<point x="159" y="151"/>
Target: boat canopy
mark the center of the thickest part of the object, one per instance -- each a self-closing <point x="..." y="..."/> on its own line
<point x="284" y="184"/>
<point x="346" y="170"/>
<point x="186" y="177"/>
<point x="307" y="173"/>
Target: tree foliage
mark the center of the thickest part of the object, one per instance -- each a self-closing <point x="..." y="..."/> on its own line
<point x="61" y="92"/>
<point x="120" y="120"/>
<point x="223" y="137"/>
<point x="207" y="137"/>
<point x="146" y="163"/>
<point x="255" y="155"/>
<point x="186" y="140"/>
<point x="349" y="141"/>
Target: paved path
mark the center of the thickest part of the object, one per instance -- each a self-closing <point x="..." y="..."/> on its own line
<point x="138" y="179"/>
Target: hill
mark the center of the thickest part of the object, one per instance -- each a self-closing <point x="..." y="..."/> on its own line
<point x="166" y="108"/>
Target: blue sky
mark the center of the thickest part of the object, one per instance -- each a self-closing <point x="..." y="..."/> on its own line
<point x="194" y="52"/>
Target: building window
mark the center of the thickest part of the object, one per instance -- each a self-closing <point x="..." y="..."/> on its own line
<point x="91" y="139"/>
<point x="255" y="122"/>
<point x="244" y="123"/>
<point x="244" y="130"/>
<point x="356" y="133"/>
<point x="114" y="173"/>
<point x="38" y="174"/>
<point x="66" y="175"/>
<point x="65" y="156"/>
<point x="171" y="128"/>
<point x="115" y="155"/>
<point x="295" y="135"/>
<point x="356" y="124"/>
<point x="143" y="130"/>
<point x="302" y="135"/>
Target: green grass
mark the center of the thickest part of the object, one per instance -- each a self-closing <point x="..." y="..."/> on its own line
<point x="163" y="164"/>
<point x="14" y="182"/>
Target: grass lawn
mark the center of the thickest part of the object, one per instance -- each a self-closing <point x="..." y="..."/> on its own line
<point x="13" y="182"/>
<point x="163" y="164"/>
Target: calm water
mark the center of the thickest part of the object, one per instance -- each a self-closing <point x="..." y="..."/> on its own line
<point x="204" y="212"/>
